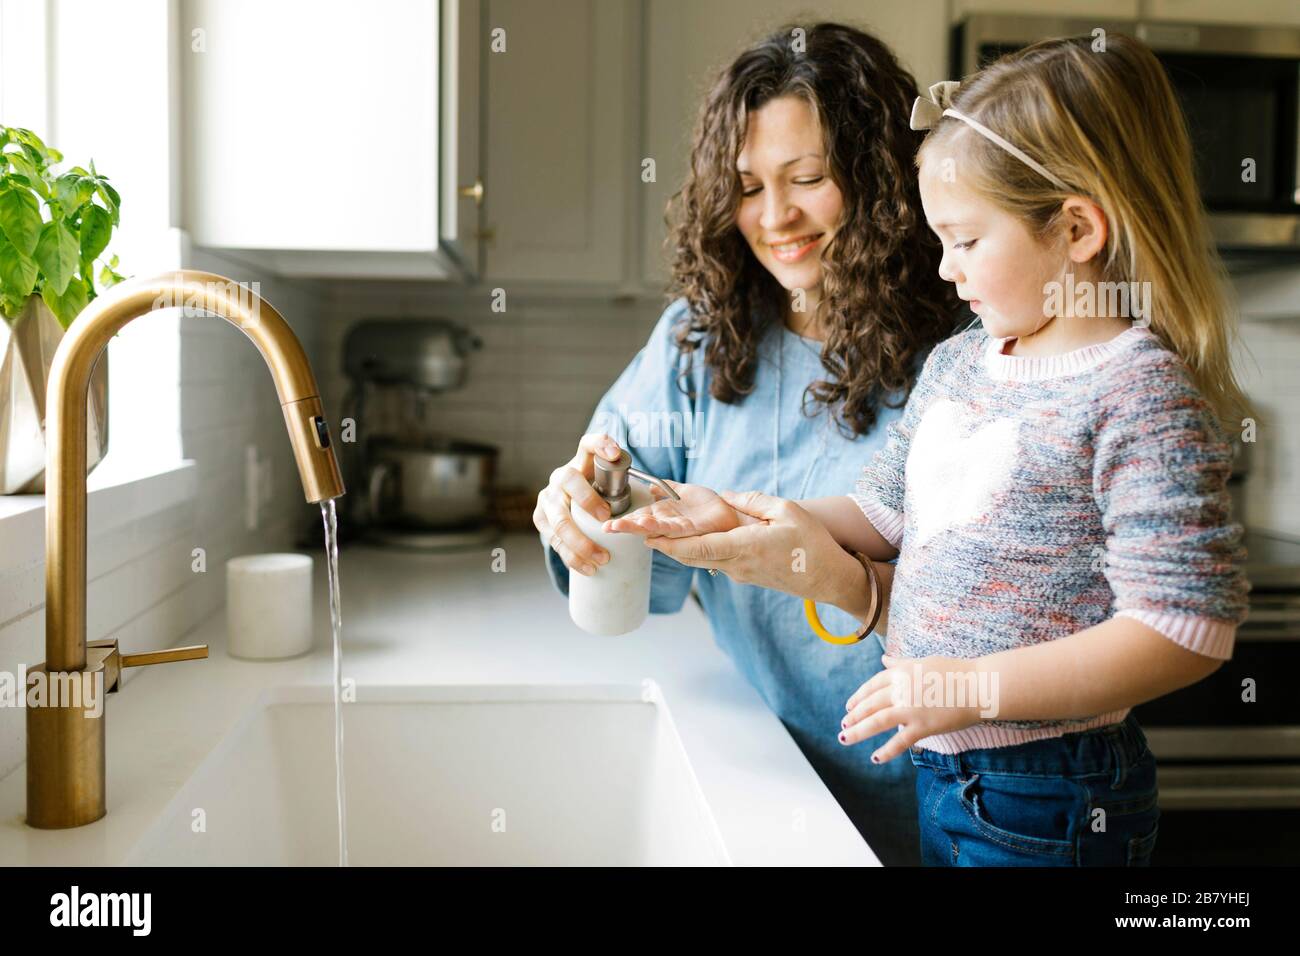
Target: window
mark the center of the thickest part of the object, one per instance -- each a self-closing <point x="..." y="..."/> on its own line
<point x="97" y="81"/>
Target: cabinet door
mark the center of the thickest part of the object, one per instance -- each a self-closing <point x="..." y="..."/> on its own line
<point x="462" y="177"/>
<point x="560" y="139"/>
<point x="311" y="125"/>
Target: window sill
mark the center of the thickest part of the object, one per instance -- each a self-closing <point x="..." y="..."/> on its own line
<point x="113" y="499"/>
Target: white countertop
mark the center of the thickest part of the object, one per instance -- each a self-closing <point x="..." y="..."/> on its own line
<point x="411" y="618"/>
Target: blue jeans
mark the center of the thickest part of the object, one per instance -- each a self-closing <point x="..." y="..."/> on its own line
<point x="1082" y="799"/>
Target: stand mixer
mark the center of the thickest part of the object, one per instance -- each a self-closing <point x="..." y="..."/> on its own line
<point x="416" y="488"/>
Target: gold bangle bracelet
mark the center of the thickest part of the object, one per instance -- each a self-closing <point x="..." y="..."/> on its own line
<point x="810" y="609"/>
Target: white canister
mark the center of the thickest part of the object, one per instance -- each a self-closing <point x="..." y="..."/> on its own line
<point x="268" y="605"/>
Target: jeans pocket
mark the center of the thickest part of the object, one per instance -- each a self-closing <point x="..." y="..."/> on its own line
<point x="1140" y="847"/>
<point x="1122" y="822"/>
<point x="1036" y="815"/>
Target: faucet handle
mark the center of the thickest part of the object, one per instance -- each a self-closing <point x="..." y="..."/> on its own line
<point x="193" y="652"/>
<point x="105" y="654"/>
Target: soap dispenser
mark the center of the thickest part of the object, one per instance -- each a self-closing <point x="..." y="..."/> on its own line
<point x="616" y="598"/>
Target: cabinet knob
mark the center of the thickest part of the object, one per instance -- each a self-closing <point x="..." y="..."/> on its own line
<point x="474" y="192"/>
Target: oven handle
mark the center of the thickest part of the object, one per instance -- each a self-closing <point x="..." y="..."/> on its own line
<point x="1229" y="786"/>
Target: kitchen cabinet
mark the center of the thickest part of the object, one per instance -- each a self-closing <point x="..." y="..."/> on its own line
<point x="517" y="155"/>
<point x="461" y="199"/>
<point x="323" y="139"/>
<point x="313" y="135"/>
<point x="562" y="122"/>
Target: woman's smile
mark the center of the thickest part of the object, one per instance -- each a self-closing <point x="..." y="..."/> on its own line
<point x="795" y="249"/>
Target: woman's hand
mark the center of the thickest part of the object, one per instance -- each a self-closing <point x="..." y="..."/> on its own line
<point x="700" y="510"/>
<point x="901" y="696"/>
<point x="572" y="481"/>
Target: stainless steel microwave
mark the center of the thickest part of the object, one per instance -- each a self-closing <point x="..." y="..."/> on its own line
<point x="1240" y="89"/>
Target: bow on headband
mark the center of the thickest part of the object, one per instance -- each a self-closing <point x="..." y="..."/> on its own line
<point x="927" y="112"/>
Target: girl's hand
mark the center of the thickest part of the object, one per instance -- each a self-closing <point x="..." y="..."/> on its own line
<point x="700" y="511"/>
<point x="782" y="547"/>
<point x="899" y="697"/>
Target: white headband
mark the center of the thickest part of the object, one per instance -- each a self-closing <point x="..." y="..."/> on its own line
<point x="927" y="112"/>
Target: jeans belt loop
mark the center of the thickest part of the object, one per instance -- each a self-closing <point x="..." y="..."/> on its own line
<point x="1119" y="754"/>
<point x="960" y="767"/>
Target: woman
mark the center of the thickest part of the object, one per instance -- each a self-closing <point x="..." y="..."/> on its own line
<point x="806" y="297"/>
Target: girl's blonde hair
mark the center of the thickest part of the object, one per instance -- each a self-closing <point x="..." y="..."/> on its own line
<point x="1107" y="124"/>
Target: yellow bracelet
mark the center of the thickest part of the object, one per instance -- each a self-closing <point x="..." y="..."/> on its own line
<point x="810" y="610"/>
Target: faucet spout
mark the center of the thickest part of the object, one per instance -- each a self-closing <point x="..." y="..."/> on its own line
<point x="65" y="763"/>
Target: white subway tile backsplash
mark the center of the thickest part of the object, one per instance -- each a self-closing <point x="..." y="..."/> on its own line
<point x="530" y="390"/>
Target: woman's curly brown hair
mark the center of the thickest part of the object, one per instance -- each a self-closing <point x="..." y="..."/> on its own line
<point x="882" y="301"/>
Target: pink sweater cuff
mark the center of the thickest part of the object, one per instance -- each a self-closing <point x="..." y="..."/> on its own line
<point x="1200" y="634"/>
<point x="887" y="521"/>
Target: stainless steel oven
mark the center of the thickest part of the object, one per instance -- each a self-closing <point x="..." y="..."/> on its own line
<point x="1240" y="89"/>
<point x="1228" y="748"/>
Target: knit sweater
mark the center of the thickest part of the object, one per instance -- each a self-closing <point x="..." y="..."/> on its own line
<point x="1034" y="497"/>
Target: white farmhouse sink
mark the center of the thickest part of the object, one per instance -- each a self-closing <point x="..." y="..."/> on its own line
<point x="445" y="775"/>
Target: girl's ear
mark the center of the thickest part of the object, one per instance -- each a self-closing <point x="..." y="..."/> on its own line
<point x="1085" y="228"/>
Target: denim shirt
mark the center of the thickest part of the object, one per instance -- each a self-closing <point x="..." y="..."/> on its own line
<point x="765" y="442"/>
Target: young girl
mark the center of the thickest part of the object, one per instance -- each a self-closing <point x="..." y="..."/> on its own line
<point x="1056" y="487"/>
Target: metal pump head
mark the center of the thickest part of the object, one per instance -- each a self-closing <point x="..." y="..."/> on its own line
<point x="610" y="481"/>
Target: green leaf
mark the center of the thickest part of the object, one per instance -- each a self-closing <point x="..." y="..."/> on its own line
<point x="67" y="306"/>
<point x="17" y="272"/>
<point x="96" y="227"/>
<point x="56" y="254"/>
<point x="37" y="157"/>
<point x="32" y="141"/>
<point x="20" y="219"/>
<point x="23" y="166"/>
<point x="111" y="199"/>
<point x="72" y="190"/>
<point x="108" y="277"/>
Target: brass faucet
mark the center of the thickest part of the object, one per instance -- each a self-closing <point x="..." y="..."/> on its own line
<point x="65" y="735"/>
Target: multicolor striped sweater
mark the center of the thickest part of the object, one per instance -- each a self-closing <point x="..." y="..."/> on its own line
<point x="1033" y="497"/>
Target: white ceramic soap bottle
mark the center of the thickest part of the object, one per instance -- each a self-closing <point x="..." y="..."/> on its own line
<point x="616" y="599"/>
